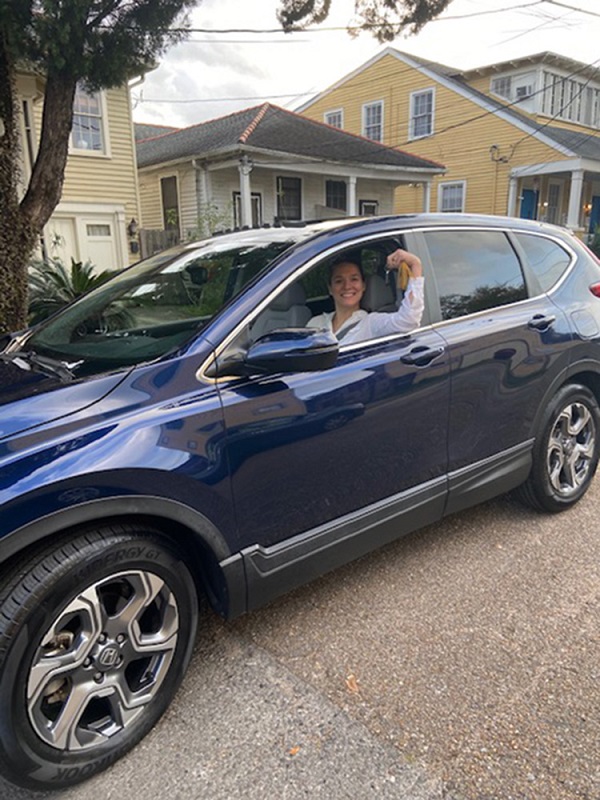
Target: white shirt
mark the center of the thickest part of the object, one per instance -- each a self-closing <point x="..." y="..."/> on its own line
<point x="373" y="325"/>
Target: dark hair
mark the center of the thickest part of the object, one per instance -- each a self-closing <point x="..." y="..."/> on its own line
<point x="343" y="260"/>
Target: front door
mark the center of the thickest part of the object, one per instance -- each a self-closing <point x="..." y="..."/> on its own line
<point x="594" y="214"/>
<point x="529" y="204"/>
<point x="309" y="448"/>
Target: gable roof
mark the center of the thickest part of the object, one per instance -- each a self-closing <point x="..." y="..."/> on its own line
<point x="143" y="130"/>
<point x="273" y="129"/>
<point x="569" y="143"/>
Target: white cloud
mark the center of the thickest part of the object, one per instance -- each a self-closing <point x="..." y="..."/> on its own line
<point x="213" y="75"/>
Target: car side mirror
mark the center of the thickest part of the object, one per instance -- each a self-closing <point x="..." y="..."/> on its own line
<point x="286" y="350"/>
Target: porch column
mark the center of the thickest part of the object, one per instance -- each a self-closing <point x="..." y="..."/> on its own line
<point x="511" y="205"/>
<point x="245" y="168"/>
<point x="427" y="196"/>
<point x="202" y="184"/>
<point x="352" y="210"/>
<point x="574" y="212"/>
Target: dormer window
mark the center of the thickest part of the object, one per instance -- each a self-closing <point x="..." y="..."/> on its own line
<point x="524" y="91"/>
<point x="502" y="86"/>
<point x="570" y="98"/>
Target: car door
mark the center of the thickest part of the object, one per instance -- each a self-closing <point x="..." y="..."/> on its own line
<point x="328" y="465"/>
<point x="506" y="341"/>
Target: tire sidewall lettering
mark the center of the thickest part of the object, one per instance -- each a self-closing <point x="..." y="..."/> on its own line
<point x="81" y="562"/>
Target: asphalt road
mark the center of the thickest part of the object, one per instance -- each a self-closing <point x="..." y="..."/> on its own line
<point x="461" y="663"/>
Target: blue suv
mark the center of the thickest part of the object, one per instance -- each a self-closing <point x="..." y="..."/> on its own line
<point x="180" y="433"/>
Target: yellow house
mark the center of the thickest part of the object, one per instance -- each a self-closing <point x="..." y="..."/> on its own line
<point x="100" y="196"/>
<point x="520" y="137"/>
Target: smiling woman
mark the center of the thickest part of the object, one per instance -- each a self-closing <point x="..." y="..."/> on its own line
<point x="347" y="286"/>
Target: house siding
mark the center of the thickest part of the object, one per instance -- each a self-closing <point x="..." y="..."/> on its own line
<point x="224" y="182"/>
<point x="111" y="178"/>
<point x="463" y="134"/>
<point x="99" y="190"/>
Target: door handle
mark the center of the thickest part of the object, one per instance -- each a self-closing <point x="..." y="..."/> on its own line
<point x="541" y="323"/>
<point x="421" y="356"/>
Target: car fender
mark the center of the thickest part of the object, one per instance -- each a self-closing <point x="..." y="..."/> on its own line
<point x="564" y="376"/>
<point x="225" y="585"/>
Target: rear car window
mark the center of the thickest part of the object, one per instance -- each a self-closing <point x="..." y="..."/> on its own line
<point x="546" y="258"/>
<point x="474" y="271"/>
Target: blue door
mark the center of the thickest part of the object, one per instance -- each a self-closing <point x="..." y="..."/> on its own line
<point x="595" y="213"/>
<point x="529" y="204"/>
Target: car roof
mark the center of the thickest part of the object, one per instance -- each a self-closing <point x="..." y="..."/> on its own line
<point x="295" y="232"/>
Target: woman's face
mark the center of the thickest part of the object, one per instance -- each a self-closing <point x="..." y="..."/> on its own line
<point x="347" y="286"/>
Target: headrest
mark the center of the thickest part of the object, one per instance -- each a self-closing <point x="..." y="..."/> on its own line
<point x="293" y="295"/>
<point x="378" y="294"/>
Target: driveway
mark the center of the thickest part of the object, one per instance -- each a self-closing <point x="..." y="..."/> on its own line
<point x="461" y="663"/>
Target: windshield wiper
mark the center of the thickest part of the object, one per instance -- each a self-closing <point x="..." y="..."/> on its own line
<point x="62" y="369"/>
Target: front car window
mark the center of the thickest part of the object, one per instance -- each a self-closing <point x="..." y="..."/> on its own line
<point x="474" y="271"/>
<point x="155" y="306"/>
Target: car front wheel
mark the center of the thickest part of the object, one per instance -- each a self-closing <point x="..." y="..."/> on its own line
<point x="96" y="633"/>
<point x="565" y="455"/>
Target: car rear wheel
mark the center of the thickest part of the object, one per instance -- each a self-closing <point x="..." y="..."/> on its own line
<point x="565" y="454"/>
<point x="96" y="633"/>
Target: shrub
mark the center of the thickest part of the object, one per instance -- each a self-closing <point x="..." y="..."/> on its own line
<point x="52" y="285"/>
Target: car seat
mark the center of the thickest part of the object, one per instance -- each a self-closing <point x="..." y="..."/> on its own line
<point x="287" y="310"/>
<point x="379" y="295"/>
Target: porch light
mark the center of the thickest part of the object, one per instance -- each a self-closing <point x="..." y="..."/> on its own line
<point x="132" y="228"/>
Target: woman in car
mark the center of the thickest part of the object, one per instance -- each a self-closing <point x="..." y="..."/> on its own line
<point x="347" y="284"/>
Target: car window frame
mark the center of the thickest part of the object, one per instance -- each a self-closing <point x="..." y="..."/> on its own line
<point x="418" y="243"/>
<point x="315" y="261"/>
<point x="530" y="273"/>
<point x="432" y="273"/>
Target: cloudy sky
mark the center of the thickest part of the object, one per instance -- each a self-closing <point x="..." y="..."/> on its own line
<point x="213" y="74"/>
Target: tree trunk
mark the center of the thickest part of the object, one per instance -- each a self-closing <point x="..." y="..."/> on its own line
<point x="22" y="222"/>
<point x="47" y="176"/>
<point x="17" y="238"/>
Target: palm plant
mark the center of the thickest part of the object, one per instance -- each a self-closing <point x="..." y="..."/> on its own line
<point x="52" y="285"/>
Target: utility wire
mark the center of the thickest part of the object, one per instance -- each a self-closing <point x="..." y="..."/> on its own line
<point x="358" y="26"/>
<point x="493" y="111"/>
<point x="571" y="8"/>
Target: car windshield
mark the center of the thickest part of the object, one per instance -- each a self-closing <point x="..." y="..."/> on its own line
<point x="153" y="307"/>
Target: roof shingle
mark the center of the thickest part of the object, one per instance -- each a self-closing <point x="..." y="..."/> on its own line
<point x="274" y="129"/>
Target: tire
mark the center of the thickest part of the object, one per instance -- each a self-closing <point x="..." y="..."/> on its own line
<point x="96" y="633"/>
<point x="565" y="454"/>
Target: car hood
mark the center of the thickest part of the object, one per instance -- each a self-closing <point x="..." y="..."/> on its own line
<point x="32" y="397"/>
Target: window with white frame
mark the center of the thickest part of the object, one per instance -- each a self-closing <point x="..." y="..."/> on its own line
<point x="87" y="130"/>
<point x="289" y="198"/>
<point x="451" y="197"/>
<point x="368" y="208"/>
<point x="372" y="117"/>
<point x="421" y="114"/>
<point x="571" y="99"/>
<point x="335" y="118"/>
<point x="502" y="86"/>
<point x="552" y="205"/>
<point x="28" y="134"/>
<point x="255" y="204"/>
<point x="336" y="195"/>
<point x="170" y="203"/>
